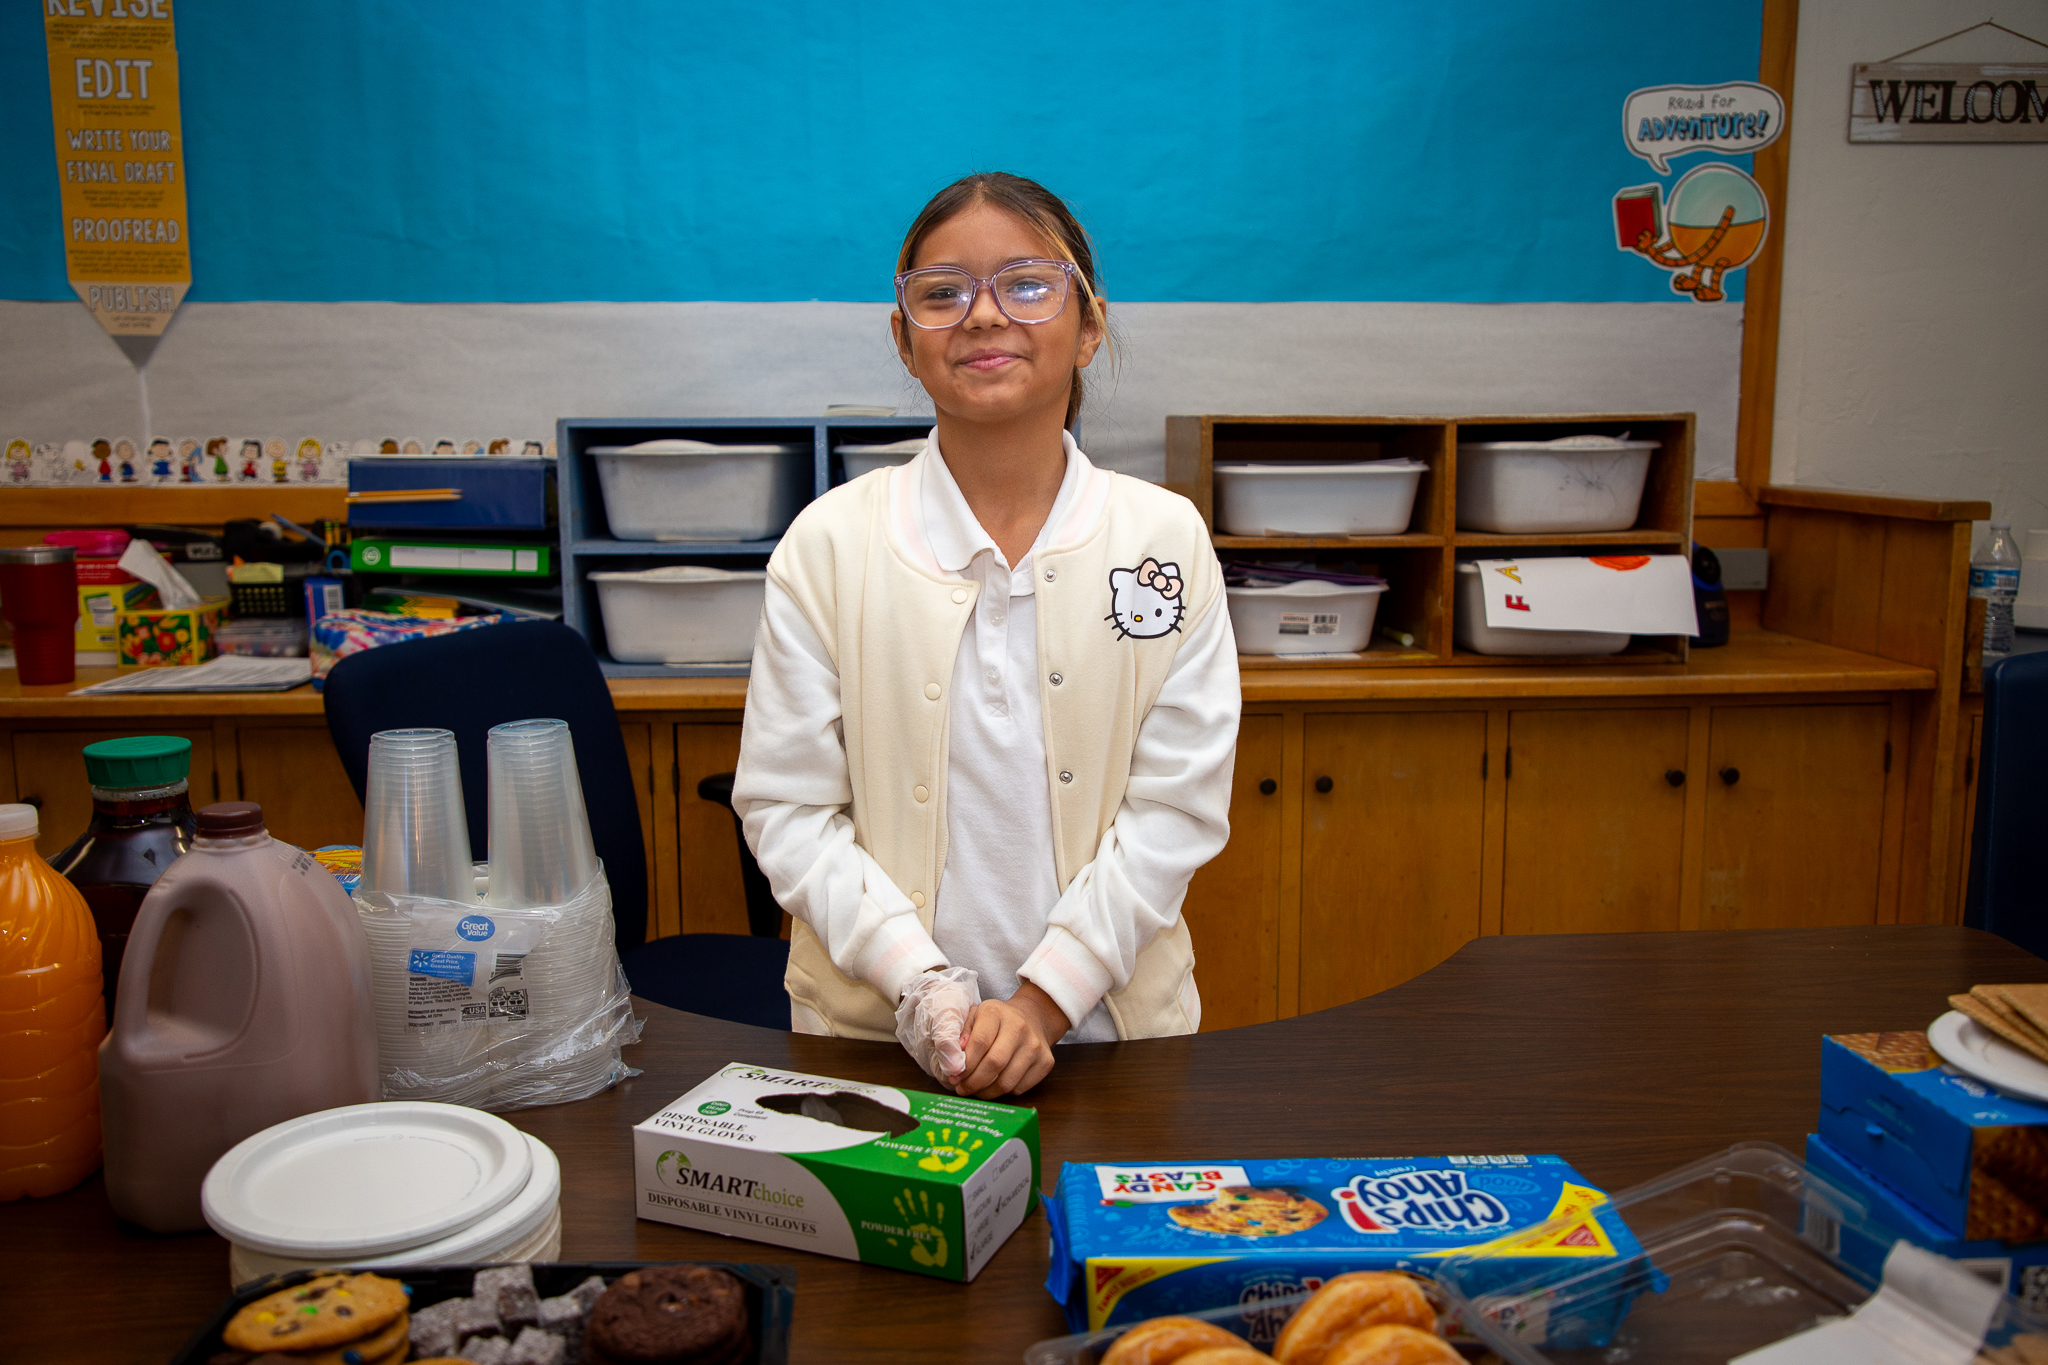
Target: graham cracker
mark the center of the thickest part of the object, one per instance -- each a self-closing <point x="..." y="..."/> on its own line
<point x="2030" y="1002"/>
<point x="1995" y="997"/>
<point x="1902" y="1051"/>
<point x="1991" y="1019"/>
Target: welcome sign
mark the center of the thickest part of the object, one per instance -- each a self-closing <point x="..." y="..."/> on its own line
<point x="120" y="162"/>
<point x="1949" y="102"/>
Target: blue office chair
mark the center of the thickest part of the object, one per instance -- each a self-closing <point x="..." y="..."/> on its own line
<point x="471" y="680"/>
<point x="2006" y="865"/>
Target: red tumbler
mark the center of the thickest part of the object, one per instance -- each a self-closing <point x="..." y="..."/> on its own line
<point x="39" y="598"/>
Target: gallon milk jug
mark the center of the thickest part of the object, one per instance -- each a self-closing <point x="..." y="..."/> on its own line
<point x="245" y="1001"/>
<point x="50" y="1021"/>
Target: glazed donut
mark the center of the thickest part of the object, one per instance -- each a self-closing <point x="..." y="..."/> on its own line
<point x="1239" y="1354"/>
<point x="1164" y="1341"/>
<point x="1393" y="1343"/>
<point x="1363" y="1298"/>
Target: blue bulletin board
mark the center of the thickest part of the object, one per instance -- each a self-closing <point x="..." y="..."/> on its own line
<point x="546" y="150"/>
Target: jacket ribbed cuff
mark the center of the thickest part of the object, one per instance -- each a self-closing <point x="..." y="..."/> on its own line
<point x="1064" y="969"/>
<point x="895" y="954"/>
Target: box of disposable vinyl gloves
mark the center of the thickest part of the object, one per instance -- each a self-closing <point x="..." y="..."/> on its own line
<point x="1142" y="1240"/>
<point x="1974" y="1160"/>
<point x="920" y="1182"/>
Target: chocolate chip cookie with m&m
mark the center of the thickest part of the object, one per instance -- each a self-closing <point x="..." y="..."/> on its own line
<point x="326" y="1310"/>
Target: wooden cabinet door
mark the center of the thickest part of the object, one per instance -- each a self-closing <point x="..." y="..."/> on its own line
<point x="1795" y="815"/>
<point x="1390" y="853"/>
<point x="49" y="772"/>
<point x="1595" y="825"/>
<point x="639" y="737"/>
<point x="1233" y="904"/>
<point x="707" y="847"/>
<point x="293" y="772"/>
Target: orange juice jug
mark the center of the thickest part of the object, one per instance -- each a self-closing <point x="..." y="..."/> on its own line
<point x="244" y="1002"/>
<point x="51" y="1021"/>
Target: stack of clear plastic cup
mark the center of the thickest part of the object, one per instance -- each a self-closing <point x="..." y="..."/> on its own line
<point x="415" y="831"/>
<point x="415" y="843"/>
<point x="541" y="852"/>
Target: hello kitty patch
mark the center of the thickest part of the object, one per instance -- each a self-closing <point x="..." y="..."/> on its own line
<point x="1145" y="602"/>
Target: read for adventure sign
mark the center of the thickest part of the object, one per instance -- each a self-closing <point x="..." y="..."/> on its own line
<point x="120" y="163"/>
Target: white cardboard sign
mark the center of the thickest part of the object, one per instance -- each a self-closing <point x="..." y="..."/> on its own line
<point x="1638" y="594"/>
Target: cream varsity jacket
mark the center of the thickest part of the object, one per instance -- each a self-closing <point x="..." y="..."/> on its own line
<point x="1122" y="580"/>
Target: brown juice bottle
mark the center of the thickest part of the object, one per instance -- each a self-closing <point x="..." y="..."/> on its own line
<point x="245" y="1001"/>
<point x="141" y="824"/>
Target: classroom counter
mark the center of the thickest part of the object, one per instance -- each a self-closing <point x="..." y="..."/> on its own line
<point x="1754" y="662"/>
<point x="1628" y="1054"/>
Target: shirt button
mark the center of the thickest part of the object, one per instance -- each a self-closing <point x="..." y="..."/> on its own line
<point x="1050" y="575"/>
<point x="997" y="619"/>
<point x="931" y="691"/>
<point x="1055" y="680"/>
<point x="959" y="594"/>
<point x="994" y="676"/>
<point x="1066" y="776"/>
<point x="917" y="899"/>
<point x="921" y="793"/>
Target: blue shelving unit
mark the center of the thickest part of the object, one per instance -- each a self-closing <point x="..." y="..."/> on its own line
<point x="587" y="541"/>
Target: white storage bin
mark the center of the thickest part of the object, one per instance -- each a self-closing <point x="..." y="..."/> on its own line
<point x="857" y="460"/>
<point x="697" y="490"/>
<point x="1470" y="631"/>
<point x="1575" y="483"/>
<point x="1372" y="498"/>
<point x="1308" y="617"/>
<point x="681" y="614"/>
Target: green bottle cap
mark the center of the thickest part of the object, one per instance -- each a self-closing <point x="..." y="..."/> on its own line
<point x="138" y="761"/>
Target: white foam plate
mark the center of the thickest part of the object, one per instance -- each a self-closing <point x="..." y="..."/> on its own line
<point x="1976" y="1051"/>
<point x="369" y="1178"/>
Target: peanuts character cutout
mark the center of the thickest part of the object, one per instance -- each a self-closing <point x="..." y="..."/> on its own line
<point x="18" y="461"/>
<point x="160" y="461"/>
<point x="1145" y="602"/>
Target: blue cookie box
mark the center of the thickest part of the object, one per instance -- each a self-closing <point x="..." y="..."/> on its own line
<point x="1208" y="1270"/>
<point x="1914" y="1130"/>
<point x="2022" y="1268"/>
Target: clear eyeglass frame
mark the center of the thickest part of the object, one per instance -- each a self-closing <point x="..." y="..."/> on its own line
<point x="974" y="284"/>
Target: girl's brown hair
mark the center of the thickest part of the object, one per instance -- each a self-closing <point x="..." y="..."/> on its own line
<point x="1044" y="211"/>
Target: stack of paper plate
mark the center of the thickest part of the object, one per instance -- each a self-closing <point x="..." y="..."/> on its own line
<point x="399" y="1183"/>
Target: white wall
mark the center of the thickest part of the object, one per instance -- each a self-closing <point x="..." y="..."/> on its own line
<point x="347" y="371"/>
<point x="1913" y="341"/>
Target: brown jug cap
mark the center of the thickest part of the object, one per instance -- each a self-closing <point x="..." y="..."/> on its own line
<point x="230" y="820"/>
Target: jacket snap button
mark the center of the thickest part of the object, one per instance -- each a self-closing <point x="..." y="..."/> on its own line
<point x="1050" y="575"/>
<point x="1066" y="776"/>
<point x="917" y="899"/>
<point x="931" y="691"/>
<point x="959" y="594"/>
<point x="921" y="793"/>
<point x="1056" y="680"/>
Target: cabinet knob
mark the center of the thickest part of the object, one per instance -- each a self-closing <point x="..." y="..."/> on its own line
<point x="1731" y="775"/>
<point x="1323" y="784"/>
<point x="1268" y="787"/>
<point x="35" y="801"/>
<point x="1675" y="776"/>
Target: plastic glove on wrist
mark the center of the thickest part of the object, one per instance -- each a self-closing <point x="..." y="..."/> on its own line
<point x="931" y="1021"/>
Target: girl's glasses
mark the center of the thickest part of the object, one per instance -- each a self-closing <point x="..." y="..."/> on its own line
<point x="942" y="296"/>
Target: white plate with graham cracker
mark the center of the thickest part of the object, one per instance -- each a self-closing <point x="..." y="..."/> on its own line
<point x="1998" y="1034"/>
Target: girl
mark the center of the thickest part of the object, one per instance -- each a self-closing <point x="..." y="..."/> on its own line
<point x="994" y="701"/>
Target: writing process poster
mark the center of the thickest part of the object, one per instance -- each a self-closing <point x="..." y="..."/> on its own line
<point x="120" y="162"/>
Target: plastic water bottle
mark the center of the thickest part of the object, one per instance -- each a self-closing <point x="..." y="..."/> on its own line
<point x="1995" y="577"/>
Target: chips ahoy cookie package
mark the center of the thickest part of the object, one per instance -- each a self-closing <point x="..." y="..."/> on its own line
<point x="1136" y="1241"/>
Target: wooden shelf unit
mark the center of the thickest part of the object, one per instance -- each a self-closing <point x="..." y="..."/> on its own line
<point x="1420" y="564"/>
<point x="588" y="543"/>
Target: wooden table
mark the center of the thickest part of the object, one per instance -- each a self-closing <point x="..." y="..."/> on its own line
<point x="1628" y="1054"/>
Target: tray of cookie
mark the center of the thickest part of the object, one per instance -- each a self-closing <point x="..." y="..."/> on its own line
<point x="1367" y="1317"/>
<point x="542" y="1313"/>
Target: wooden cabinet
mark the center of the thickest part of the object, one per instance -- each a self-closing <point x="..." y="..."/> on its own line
<point x="49" y="772"/>
<point x="1795" y="815"/>
<point x="293" y="772"/>
<point x="1233" y="904"/>
<point x="712" y="899"/>
<point x="1392" y="819"/>
<point x="1595" y="820"/>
